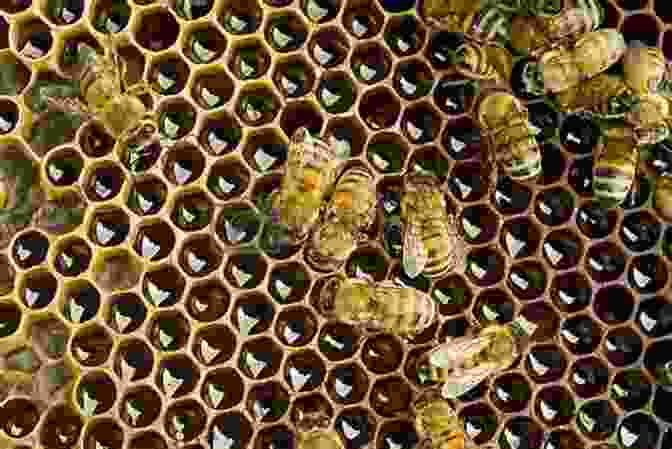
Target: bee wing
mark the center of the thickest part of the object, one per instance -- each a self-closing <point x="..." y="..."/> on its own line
<point x="456" y="350"/>
<point x="456" y="386"/>
<point x="414" y="252"/>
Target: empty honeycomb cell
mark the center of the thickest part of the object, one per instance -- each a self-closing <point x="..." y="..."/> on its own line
<point x="631" y="389"/>
<point x="545" y="120"/>
<point x="479" y="223"/>
<point x="155" y="29"/>
<point x="265" y="150"/>
<point x="110" y="16"/>
<point x="397" y="433"/>
<point x="149" y="440"/>
<point x="103" y="432"/>
<point x="605" y="262"/>
<point x="362" y="19"/>
<point x="140" y="406"/>
<point x="382" y="354"/>
<point x="404" y="35"/>
<point x="250" y="59"/>
<point x="32" y="38"/>
<point x="176" y="118"/>
<point x="367" y="260"/>
<point x="647" y="273"/>
<point x="596" y="222"/>
<point x="214" y="344"/>
<point x="228" y="179"/>
<point x="356" y="426"/>
<point x="126" y="312"/>
<point x="69" y="46"/>
<point x="510" y="393"/>
<point x="510" y="197"/>
<point x="95" y="141"/>
<point x="642" y="28"/>
<point x="370" y="63"/>
<point x="653" y="316"/>
<point x="640" y="231"/>
<point x="465" y="182"/>
<point x="296" y="326"/>
<point x="168" y="331"/>
<point x="9" y="116"/>
<point x="638" y="431"/>
<point x="267" y="402"/>
<point x="349" y="134"/>
<point x="563" y="439"/>
<point x="379" y="108"/>
<point x="108" y="226"/>
<point x="421" y="123"/>
<point x="338" y="341"/>
<point x="638" y="194"/>
<point x="337" y="93"/>
<point x="220" y="133"/>
<point x="30" y="249"/>
<point x="461" y="139"/>
<point x="81" y="301"/>
<point x="293" y="76"/>
<point x="390" y="396"/>
<point x="387" y="152"/>
<point x="613" y="304"/>
<point x="580" y="334"/>
<point x="581" y="176"/>
<point x="494" y="305"/>
<point x="571" y="291"/>
<point x="38" y="288"/>
<point x="62" y="428"/>
<point x="168" y="74"/>
<point x="418" y="377"/>
<point x="454" y="97"/>
<point x="200" y="255"/>
<point x="347" y="383"/>
<point x="622" y="346"/>
<point x="177" y="375"/>
<point x="554" y="207"/>
<point x="91" y="345"/>
<point x="183" y="164"/>
<point x="452" y="294"/>
<point x="274" y="436"/>
<point x="260" y="358"/>
<point x="252" y="314"/>
<point x="288" y="282"/>
<point x="480" y="422"/>
<point x="596" y="419"/>
<point x="95" y="393"/>
<point x="301" y="114"/>
<point x="579" y="134"/>
<point x="103" y="181"/>
<point x="320" y="11"/>
<point x="154" y="240"/>
<point x="211" y="87"/>
<point x="562" y="249"/>
<point x="257" y="104"/>
<point x="163" y="286"/>
<point x="15" y="7"/>
<point x="63" y="167"/>
<point x="304" y="371"/>
<point x="191" y="9"/>
<point x="527" y="280"/>
<point x="413" y="79"/>
<point x="286" y="32"/>
<point x="146" y="195"/>
<point x="245" y="270"/>
<point x="239" y="17"/>
<point x="222" y="388"/>
<point x="184" y="420"/>
<point x="545" y="363"/>
<point x="132" y="360"/>
<point x="10" y="318"/>
<point x="521" y="428"/>
<point x="19" y="417"/>
<point x="328" y="47"/>
<point x="203" y="44"/>
<point x="237" y="224"/>
<point x="485" y="266"/>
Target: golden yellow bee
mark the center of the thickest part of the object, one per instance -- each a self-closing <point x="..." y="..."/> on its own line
<point x="484" y="62"/>
<point x="438" y="425"/>
<point x="514" y="147"/>
<point x="463" y="363"/>
<point x="663" y="205"/>
<point x="562" y="67"/>
<point x="319" y="439"/>
<point x="644" y="68"/>
<point x="309" y="173"/>
<point x="607" y="95"/>
<point x="349" y="213"/>
<point x="615" y="170"/>
<point x="378" y="306"/>
<point x="432" y="243"/>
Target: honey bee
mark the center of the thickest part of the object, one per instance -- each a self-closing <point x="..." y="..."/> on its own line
<point x="514" y="147"/>
<point x="535" y="35"/>
<point x="615" y="170"/>
<point x="607" y="95"/>
<point x="644" y="68"/>
<point x="378" y="306"/>
<point x="19" y="198"/>
<point x="310" y="171"/>
<point x="432" y="243"/>
<point x="484" y="62"/>
<point x="663" y="205"/>
<point x="313" y="432"/>
<point x="438" y="425"/>
<point x="349" y="213"/>
<point x="463" y="363"/>
<point x="562" y="68"/>
<point x="105" y="96"/>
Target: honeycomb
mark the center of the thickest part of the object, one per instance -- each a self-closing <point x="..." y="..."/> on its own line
<point x="147" y="328"/>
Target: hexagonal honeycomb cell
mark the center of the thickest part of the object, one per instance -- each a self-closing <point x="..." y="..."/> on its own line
<point x="164" y="318"/>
